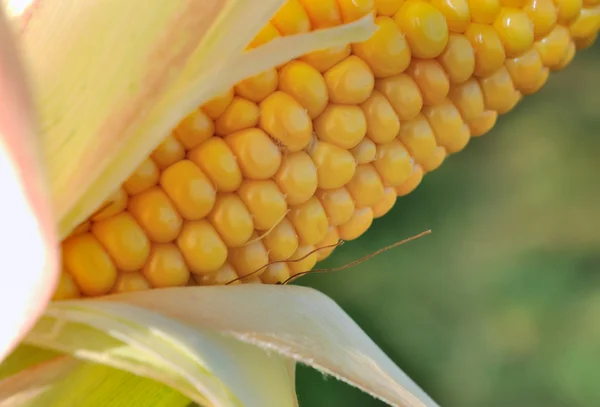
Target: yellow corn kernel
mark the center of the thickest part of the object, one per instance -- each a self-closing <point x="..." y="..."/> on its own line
<point x="513" y="3"/>
<point x="284" y="119"/>
<point x="342" y="125"/>
<point x="114" y="205"/>
<point x="591" y="3"/>
<point x="448" y="126"/>
<point x="249" y="258"/>
<point x="239" y="115"/>
<point x="168" y="152"/>
<point x="306" y="85"/>
<point x="586" y="24"/>
<point x="166" y="267"/>
<point x="232" y="220"/>
<point x="335" y="165"/>
<point x="365" y="186"/>
<point x="301" y="260"/>
<point x="358" y="224"/>
<point x="515" y="31"/>
<point x="66" y="288"/>
<point x="196" y="128"/>
<point x="124" y="240"/>
<point x="386" y="52"/>
<point x="554" y="46"/>
<point x="203" y="249"/>
<point x="291" y="19"/>
<point x="527" y="71"/>
<point x="382" y="122"/>
<point x="403" y="94"/>
<point x="282" y="241"/>
<point x="217" y="161"/>
<point x="387" y="7"/>
<point x="265" y="202"/>
<point x="145" y="176"/>
<point x="89" y="264"/>
<point x="458" y="59"/>
<point x="568" y="10"/>
<point x="275" y="273"/>
<point x="189" y="188"/>
<point x="322" y="13"/>
<point x="327" y="245"/>
<point x="310" y="221"/>
<point x="484" y="123"/>
<point x="489" y="51"/>
<point x="567" y="58"/>
<point x="131" y="281"/>
<point x="425" y="28"/>
<point x="258" y="87"/>
<point x="297" y="177"/>
<point x="499" y="92"/>
<point x="484" y="11"/>
<point x="411" y="183"/>
<point x="386" y="203"/>
<point x="418" y="137"/>
<point x="456" y="13"/>
<point x="155" y="213"/>
<point x="338" y="205"/>
<point x="352" y="10"/>
<point x="587" y="42"/>
<point x="468" y="99"/>
<point x="222" y="276"/>
<point x="257" y="155"/>
<point x="543" y="15"/>
<point x="267" y="34"/>
<point x="431" y="79"/>
<point x="324" y="59"/>
<point x="349" y="81"/>
<point x="216" y="106"/>
<point x="364" y="152"/>
<point x="81" y="229"/>
<point x="436" y="159"/>
<point x="393" y="163"/>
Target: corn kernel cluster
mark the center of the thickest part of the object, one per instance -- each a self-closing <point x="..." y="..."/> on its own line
<point x="300" y="156"/>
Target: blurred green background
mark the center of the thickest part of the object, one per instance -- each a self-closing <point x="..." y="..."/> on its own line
<point x="500" y="306"/>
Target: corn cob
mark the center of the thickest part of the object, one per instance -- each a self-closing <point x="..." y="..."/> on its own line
<point x="302" y="155"/>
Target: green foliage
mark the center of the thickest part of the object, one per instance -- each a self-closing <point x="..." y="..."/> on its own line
<point x="500" y="305"/>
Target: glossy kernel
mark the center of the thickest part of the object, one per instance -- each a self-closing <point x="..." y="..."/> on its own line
<point x="196" y="128"/>
<point x="568" y="10"/>
<point x="306" y="85"/>
<point x="447" y="124"/>
<point x="328" y="244"/>
<point x="499" y="92"/>
<point x="224" y="275"/>
<point x="393" y="163"/>
<point x="297" y="177"/>
<point x="403" y="94"/>
<point x="386" y="204"/>
<point x="527" y="71"/>
<point x="456" y="12"/>
<point x="434" y="160"/>
<point x="89" y="264"/>
<point x="257" y="155"/>
<point x="387" y="53"/>
<point x="431" y="79"/>
<point x="202" y="247"/>
<point x="338" y="204"/>
<point x="124" y="240"/>
<point x="322" y="13"/>
<point x="190" y="190"/>
<point x="335" y="165"/>
<point x="425" y="27"/>
<point x="365" y="186"/>
<point x="155" y="213"/>
<point x="324" y="59"/>
<point x="484" y="123"/>
<point x="258" y="87"/>
<point x="166" y="267"/>
<point x="554" y="46"/>
<point x="114" y="205"/>
<point x="291" y="18"/>
<point x="145" y="176"/>
<point x="168" y="152"/>
<point x="468" y="99"/>
<point x="265" y="202"/>
<point x="217" y="161"/>
<point x="309" y="220"/>
<point x="484" y="11"/>
<point x="275" y="273"/>
<point x="411" y="183"/>
<point x="352" y="10"/>
<point x="365" y="151"/>
<point x="217" y="105"/>
<point x="240" y="114"/>
<point x="358" y="224"/>
<point x="586" y="24"/>
<point x="387" y="7"/>
<point x="304" y="259"/>
<point x="130" y="282"/>
<point x="282" y="241"/>
<point x="382" y="122"/>
<point x="349" y="81"/>
<point x="342" y="125"/>
<point x="543" y="15"/>
<point x="232" y="220"/>
<point x="249" y="259"/>
<point x="418" y="137"/>
<point x="489" y="51"/>
<point x="284" y="119"/>
<point x="458" y="59"/>
<point x="515" y="31"/>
